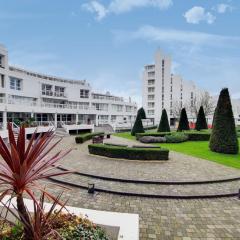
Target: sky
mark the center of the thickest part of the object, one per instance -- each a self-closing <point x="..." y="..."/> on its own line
<point x="107" y="42"/>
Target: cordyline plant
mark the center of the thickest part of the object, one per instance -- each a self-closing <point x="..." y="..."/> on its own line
<point x="23" y="165"/>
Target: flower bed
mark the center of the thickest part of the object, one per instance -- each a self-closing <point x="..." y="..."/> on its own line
<point x="65" y="226"/>
<point x="129" y="153"/>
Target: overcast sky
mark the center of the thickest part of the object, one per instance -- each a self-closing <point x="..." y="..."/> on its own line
<point x="107" y="42"/>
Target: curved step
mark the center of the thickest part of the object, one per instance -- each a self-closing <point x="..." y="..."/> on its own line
<point x="151" y="190"/>
<point x="149" y="181"/>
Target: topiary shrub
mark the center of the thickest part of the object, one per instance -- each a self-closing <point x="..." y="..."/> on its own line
<point x="183" y="122"/>
<point x="141" y="113"/>
<point x="151" y="139"/>
<point x="138" y="126"/>
<point x="176" y="138"/>
<point x="129" y="153"/>
<point x="164" y="124"/>
<point x="224" y="136"/>
<point x="201" y="120"/>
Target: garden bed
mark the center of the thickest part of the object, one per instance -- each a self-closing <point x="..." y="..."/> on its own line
<point x="129" y="153"/>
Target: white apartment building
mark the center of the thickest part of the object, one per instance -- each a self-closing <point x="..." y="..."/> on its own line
<point x="162" y="89"/>
<point x="26" y="94"/>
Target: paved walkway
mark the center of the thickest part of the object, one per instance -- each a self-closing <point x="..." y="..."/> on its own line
<point x="179" y="167"/>
<point x="216" y="219"/>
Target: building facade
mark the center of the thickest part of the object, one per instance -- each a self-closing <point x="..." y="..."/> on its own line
<point x="162" y="89"/>
<point x="25" y="94"/>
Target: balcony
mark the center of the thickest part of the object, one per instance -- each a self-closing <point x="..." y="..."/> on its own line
<point x="54" y="94"/>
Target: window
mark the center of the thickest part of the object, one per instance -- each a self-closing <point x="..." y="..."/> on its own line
<point x="47" y="89"/>
<point x="151" y="82"/>
<point x="163" y="63"/>
<point x="151" y="105"/>
<point x="150" y="112"/>
<point x="151" y="74"/>
<point x="191" y="95"/>
<point x="118" y="108"/>
<point x="15" y="83"/>
<point x="151" y="89"/>
<point x="84" y="93"/>
<point x="59" y="91"/>
<point x="150" y="97"/>
<point x="2" y="80"/>
<point x="1" y="61"/>
<point x="100" y="106"/>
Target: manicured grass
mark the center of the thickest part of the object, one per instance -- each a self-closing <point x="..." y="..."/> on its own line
<point x="201" y="150"/>
<point x="198" y="149"/>
<point x="126" y="135"/>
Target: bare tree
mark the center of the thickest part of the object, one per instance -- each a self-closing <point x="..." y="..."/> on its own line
<point x="204" y="100"/>
<point x="177" y="108"/>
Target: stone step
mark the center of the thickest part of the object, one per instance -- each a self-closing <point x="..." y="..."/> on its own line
<point x="153" y="189"/>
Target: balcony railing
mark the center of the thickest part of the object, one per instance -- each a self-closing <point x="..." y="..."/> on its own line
<point x="54" y="94"/>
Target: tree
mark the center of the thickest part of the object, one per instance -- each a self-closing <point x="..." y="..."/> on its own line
<point x="204" y="100"/>
<point x="164" y="124"/>
<point x="201" y="120"/>
<point x="138" y="126"/>
<point x="142" y="113"/>
<point x="183" y="122"/>
<point x="177" y="108"/>
<point x="224" y="136"/>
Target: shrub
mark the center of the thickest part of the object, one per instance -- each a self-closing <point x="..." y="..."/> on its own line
<point x="201" y="120"/>
<point x="151" y="139"/>
<point x="151" y="134"/>
<point x="129" y="153"/>
<point x="164" y="124"/>
<point x="183" y="122"/>
<point x="176" y="138"/>
<point x="198" y="136"/>
<point x="87" y="136"/>
<point x="141" y="113"/>
<point x="224" y="136"/>
<point x="137" y="127"/>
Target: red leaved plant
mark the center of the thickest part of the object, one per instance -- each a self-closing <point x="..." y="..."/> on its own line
<point x="23" y="165"/>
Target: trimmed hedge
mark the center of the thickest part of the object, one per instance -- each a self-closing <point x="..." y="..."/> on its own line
<point x="152" y="134"/>
<point x="198" y="136"/>
<point x="87" y="136"/>
<point x="129" y="153"/>
<point x="192" y="136"/>
<point x="176" y="138"/>
<point x="115" y="145"/>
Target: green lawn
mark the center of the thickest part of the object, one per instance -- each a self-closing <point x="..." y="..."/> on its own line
<point x="196" y="149"/>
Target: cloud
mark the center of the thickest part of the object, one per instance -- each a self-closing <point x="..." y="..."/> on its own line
<point x="198" y="14"/>
<point x="97" y="8"/>
<point x="155" y="34"/>
<point x="122" y="6"/>
<point x="222" y="8"/>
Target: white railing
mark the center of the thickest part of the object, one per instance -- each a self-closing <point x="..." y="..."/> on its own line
<point x="53" y="94"/>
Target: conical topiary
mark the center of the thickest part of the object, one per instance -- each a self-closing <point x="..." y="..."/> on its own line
<point x="224" y="136"/>
<point x="164" y="124"/>
<point x="183" y="122"/>
<point x="142" y="113"/>
<point x="201" y="120"/>
<point x="137" y="127"/>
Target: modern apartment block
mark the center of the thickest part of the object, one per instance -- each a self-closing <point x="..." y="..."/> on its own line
<point x="26" y="94"/>
<point x="162" y="89"/>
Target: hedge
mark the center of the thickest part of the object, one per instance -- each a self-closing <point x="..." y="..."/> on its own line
<point x="176" y="138"/>
<point x="129" y="153"/>
<point x="87" y="136"/>
<point x="198" y="136"/>
<point x="152" y="134"/>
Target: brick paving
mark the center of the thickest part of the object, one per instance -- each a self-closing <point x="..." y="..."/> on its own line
<point x="162" y="219"/>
